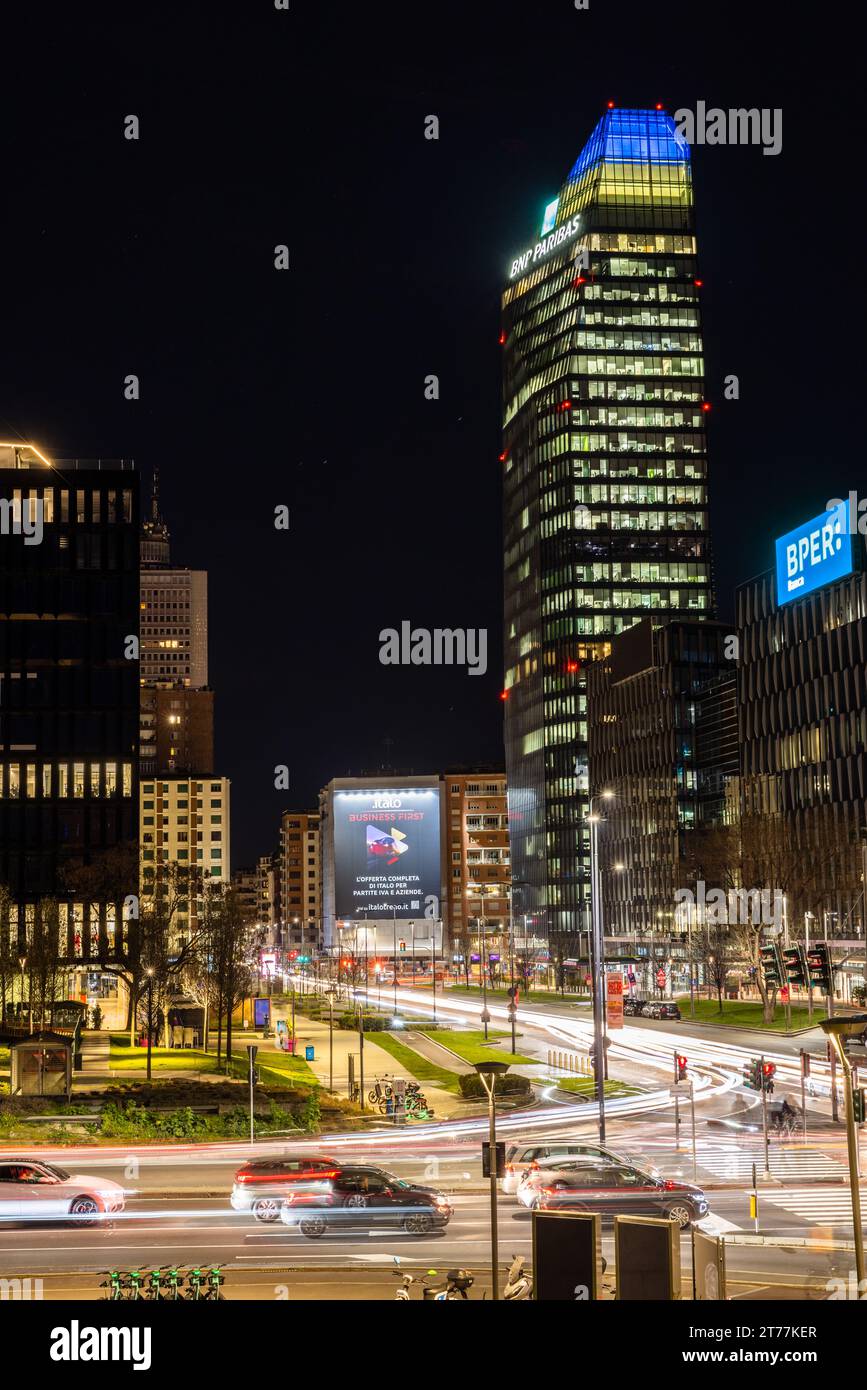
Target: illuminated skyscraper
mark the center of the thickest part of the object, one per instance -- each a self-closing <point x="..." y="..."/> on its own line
<point x="604" y="471"/>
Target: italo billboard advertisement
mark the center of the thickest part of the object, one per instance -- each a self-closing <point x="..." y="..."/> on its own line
<point x="815" y="554"/>
<point x="386" y="852"/>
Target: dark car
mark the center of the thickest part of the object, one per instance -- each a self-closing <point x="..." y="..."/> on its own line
<point x="631" y="1007"/>
<point x="364" y="1197"/>
<point x="660" y="1008"/>
<point x="261" y="1185"/>
<point x="620" y="1189"/>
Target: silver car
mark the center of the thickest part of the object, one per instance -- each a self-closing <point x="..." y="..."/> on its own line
<point x="520" y="1160"/>
<point x="36" y="1191"/>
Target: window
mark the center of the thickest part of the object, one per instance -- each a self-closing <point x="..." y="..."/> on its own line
<point x="95" y="780"/>
<point x="14" y="781"/>
<point x="63" y="779"/>
<point x="110" y="779"/>
<point x="78" y="780"/>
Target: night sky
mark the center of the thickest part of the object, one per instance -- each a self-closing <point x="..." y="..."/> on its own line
<point x="306" y="387"/>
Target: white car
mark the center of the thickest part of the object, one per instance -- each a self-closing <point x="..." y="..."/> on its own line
<point x="36" y="1191"/>
<point x="541" y="1172"/>
<point x="518" y="1160"/>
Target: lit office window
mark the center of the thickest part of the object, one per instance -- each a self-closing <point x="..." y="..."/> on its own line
<point x="63" y="779"/>
<point x="95" y="780"/>
<point x="31" y="781"/>
<point x="78" y="780"/>
<point x="111" y="779"/>
<point x="127" y="779"/>
<point x="14" y="781"/>
<point x="46" y="780"/>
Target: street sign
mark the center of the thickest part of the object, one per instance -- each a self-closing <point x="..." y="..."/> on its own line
<point x="500" y="1159"/>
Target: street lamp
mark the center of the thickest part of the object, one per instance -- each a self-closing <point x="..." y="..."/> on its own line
<point x="22" y="961"/>
<point x="150" y="975"/>
<point x="598" y="967"/>
<point x="489" y="1071"/>
<point x="838" y="1029"/>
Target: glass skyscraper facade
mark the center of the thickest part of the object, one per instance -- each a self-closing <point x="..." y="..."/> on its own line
<point x="604" y="472"/>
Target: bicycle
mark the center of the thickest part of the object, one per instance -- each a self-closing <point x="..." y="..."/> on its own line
<point x="173" y="1281"/>
<point x="135" y="1278"/>
<point x="215" y="1282"/>
<point x="114" y="1283"/>
<point x="195" y="1279"/>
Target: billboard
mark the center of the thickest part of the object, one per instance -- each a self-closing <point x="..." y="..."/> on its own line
<point x="815" y="554"/>
<point x="387" y="858"/>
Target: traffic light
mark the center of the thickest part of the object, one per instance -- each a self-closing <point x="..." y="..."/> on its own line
<point x="819" y="966"/>
<point x="858" y="1096"/>
<point x="768" y="1069"/>
<point x="772" y="966"/>
<point x="795" y="965"/>
<point x="681" y="1067"/>
<point x="752" y="1075"/>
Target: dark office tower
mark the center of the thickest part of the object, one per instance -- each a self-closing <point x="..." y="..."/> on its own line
<point x="662" y="730"/>
<point x="604" y="471"/>
<point x="69" y="574"/>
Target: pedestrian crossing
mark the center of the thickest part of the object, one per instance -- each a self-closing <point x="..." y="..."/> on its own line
<point x="822" y="1205"/>
<point x="735" y="1162"/>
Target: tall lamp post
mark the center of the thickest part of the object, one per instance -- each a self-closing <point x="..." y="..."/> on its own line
<point x="489" y="1071"/>
<point x="598" y="972"/>
<point x="838" y="1030"/>
<point x="22" y="961"/>
<point x="150" y="975"/>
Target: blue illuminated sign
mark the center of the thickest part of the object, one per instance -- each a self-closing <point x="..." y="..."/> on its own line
<point x="815" y="554"/>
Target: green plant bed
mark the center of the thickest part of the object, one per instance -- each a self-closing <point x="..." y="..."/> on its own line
<point x="741" y="1013"/>
<point x="586" y="1086"/>
<point x="415" y="1064"/>
<point x="165" y="1059"/>
<point x="276" y="1069"/>
<point x="471" y="1046"/>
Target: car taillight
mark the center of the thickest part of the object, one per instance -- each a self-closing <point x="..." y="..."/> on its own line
<point x="315" y="1177"/>
<point x="240" y="1177"/>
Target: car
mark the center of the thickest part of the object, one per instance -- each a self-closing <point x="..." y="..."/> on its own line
<point x="621" y="1189"/>
<point x="660" y="1008"/>
<point x="261" y="1185"/>
<point x="541" y="1174"/>
<point x="632" y="1006"/>
<point x="366" y="1197"/>
<point x="36" y="1191"/>
<point x="519" y="1161"/>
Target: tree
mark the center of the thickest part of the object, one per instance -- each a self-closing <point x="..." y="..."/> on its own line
<point x="226" y="940"/>
<point x="563" y="946"/>
<point x="462" y="938"/>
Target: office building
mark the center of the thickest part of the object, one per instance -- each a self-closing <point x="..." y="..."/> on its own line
<point x="802" y="714"/>
<point x="662" y="735"/>
<point x="604" y="470"/>
<point x="185" y="843"/>
<point x="300" y="879"/>
<point x="68" y="702"/>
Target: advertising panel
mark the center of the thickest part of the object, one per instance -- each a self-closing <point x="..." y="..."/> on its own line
<point x="614" y="984"/>
<point x="386" y="852"/>
<point x="815" y="554"/>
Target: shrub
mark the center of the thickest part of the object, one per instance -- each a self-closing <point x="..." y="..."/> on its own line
<point x="472" y="1086"/>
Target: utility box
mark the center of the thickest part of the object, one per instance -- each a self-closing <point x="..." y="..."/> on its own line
<point x="42" y="1066"/>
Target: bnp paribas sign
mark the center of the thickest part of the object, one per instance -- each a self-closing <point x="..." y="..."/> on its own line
<point x="545" y="246"/>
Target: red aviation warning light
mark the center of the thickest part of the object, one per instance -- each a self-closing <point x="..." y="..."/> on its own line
<point x="504" y="694"/>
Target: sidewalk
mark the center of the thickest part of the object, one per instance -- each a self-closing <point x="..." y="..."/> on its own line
<point x="377" y="1062"/>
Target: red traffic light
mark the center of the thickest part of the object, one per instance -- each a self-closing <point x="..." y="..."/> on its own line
<point x="768" y="1068"/>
